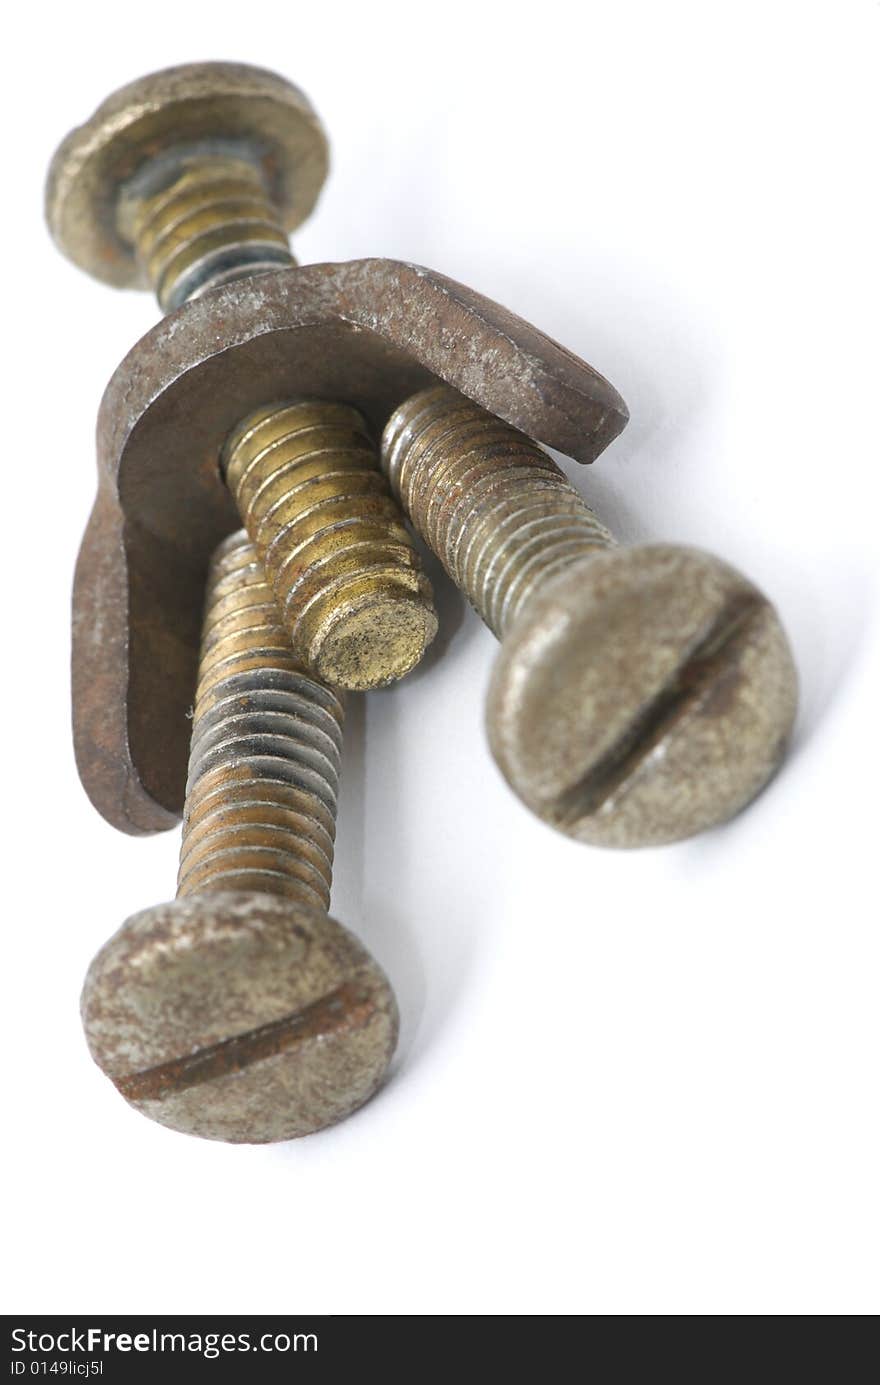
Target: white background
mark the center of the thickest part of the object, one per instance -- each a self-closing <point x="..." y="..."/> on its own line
<point x="627" y="1083"/>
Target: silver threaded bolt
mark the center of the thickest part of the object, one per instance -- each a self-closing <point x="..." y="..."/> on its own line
<point x="265" y="754"/>
<point x="241" y="1011"/>
<point x="642" y="694"/>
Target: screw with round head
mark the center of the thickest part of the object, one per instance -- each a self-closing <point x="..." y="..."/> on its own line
<point x="110" y="191"/>
<point x="241" y="1011"/>
<point x="192" y="178"/>
<point x="640" y="695"/>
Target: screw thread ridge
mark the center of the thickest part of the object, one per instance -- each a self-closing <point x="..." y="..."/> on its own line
<point x="264" y="762"/>
<point x="308" y="487"/>
<point x="494" y="507"/>
<point x="215" y="223"/>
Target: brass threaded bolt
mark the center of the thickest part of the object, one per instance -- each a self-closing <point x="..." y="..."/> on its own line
<point x="640" y="695"/>
<point x="241" y="1011"/>
<point x="357" y="607"/>
<point x="190" y="179"/>
<point x="265" y="753"/>
<point x="215" y="223"/>
<point x="147" y="134"/>
<point x="305" y="475"/>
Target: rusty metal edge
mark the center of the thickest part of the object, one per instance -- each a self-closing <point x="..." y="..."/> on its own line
<point x="445" y="329"/>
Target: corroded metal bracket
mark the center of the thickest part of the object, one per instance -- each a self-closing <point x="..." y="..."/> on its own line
<point x="370" y="333"/>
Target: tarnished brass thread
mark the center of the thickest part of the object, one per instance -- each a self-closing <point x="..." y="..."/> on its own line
<point x="260" y="808"/>
<point x="353" y="598"/>
<point x="305" y="476"/>
<point x="216" y="222"/>
<point x="497" y="511"/>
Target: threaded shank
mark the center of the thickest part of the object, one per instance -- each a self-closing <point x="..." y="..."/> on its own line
<point x="353" y="599"/>
<point x="496" y="510"/>
<point x="264" y="762"/>
<point x="213" y="224"/>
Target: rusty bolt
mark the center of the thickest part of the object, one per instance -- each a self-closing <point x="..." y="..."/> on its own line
<point x="353" y="597"/>
<point x="373" y="332"/>
<point x="640" y="695"/>
<point x="189" y="179"/>
<point x="241" y="1011"/>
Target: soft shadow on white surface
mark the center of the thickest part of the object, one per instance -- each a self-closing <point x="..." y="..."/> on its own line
<point x="348" y="859"/>
<point x="423" y="887"/>
<point x="451" y="606"/>
<point x="402" y="882"/>
<point x="829" y="624"/>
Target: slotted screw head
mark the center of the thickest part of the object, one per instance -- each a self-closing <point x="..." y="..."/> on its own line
<point x="239" y="1017"/>
<point x="641" y="696"/>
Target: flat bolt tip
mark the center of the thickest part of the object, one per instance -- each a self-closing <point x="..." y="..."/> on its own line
<point x="373" y="645"/>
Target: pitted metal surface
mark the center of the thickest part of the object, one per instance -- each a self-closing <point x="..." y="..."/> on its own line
<point x="240" y="1017"/>
<point x="240" y="1011"/>
<point x="369" y="333"/>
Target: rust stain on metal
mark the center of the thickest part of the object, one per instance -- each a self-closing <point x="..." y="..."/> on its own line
<point x="369" y="333"/>
<point x="345" y="1008"/>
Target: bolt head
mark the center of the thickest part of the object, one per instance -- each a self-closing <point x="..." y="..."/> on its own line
<point x="239" y="1017"/>
<point x="228" y="105"/>
<point x="642" y="696"/>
